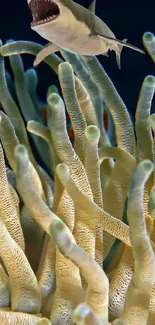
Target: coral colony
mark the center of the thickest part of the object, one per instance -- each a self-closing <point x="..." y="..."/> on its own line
<point x="77" y="243"/>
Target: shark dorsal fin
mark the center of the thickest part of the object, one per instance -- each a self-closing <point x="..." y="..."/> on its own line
<point x="92" y="6"/>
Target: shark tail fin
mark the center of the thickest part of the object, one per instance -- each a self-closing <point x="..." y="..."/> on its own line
<point x="117" y="45"/>
<point x="118" y="53"/>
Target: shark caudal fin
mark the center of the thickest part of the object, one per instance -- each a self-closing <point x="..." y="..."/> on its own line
<point x="120" y="45"/>
<point x="118" y="42"/>
<point x="118" y="53"/>
<point x="117" y="45"/>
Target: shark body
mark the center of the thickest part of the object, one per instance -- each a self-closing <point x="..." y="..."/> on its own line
<point x="69" y="26"/>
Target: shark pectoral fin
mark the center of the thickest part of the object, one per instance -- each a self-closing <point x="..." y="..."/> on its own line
<point x="47" y="50"/>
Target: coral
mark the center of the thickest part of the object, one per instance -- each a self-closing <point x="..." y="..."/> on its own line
<point x="77" y="226"/>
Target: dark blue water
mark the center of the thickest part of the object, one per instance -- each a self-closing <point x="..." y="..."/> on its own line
<point x="127" y="19"/>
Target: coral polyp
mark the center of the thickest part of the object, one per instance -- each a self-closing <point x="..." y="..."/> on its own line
<point x="77" y="226"/>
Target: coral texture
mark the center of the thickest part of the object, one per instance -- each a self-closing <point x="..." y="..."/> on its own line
<point x="77" y="235"/>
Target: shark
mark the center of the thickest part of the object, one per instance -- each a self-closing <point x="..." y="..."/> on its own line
<point x="69" y="26"/>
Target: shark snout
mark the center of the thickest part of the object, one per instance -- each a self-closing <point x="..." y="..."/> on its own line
<point x="43" y="11"/>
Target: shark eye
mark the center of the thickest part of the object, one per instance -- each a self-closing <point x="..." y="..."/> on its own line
<point x="43" y="11"/>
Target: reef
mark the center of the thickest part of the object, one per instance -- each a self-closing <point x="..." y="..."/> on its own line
<point x="77" y="218"/>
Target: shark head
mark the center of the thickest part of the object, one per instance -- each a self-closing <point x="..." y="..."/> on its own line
<point x="44" y="11"/>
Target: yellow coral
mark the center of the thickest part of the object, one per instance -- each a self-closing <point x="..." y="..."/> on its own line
<point x="83" y="252"/>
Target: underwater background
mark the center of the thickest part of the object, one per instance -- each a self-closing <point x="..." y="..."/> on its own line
<point x="127" y="19"/>
<point x="77" y="178"/>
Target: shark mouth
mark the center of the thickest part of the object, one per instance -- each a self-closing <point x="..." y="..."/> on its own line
<point x="43" y="11"/>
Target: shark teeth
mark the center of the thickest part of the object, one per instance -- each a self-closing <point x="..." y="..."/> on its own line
<point x="43" y="11"/>
<point x="43" y="21"/>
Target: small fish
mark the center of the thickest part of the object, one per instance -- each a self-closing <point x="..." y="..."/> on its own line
<point x="69" y="26"/>
<point x="69" y="124"/>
